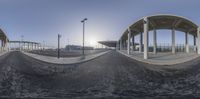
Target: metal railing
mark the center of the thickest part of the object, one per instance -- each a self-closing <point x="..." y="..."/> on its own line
<point x="165" y="47"/>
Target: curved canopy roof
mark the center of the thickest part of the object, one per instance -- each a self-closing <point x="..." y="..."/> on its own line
<point x="23" y="42"/>
<point x="164" y="22"/>
<point x="3" y="35"/>
<point x="108" y="43"/>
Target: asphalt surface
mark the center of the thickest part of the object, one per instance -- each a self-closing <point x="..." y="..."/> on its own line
<point x="109" y="76"/>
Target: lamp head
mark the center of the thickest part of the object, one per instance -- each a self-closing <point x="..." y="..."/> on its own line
<point x="84" y="20"/>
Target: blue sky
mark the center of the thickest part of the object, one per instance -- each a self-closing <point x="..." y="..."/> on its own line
<point x="42" y="20"/>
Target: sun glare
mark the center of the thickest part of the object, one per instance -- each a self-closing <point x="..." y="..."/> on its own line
<point x="93" y="42"/>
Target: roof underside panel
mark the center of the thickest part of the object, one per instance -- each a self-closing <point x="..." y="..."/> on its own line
<point x="2" y="35"/>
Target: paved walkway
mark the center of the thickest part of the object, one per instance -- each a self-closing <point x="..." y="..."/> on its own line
<point x="2" y="53"/>
<point x="162" y="58"/>
<point x="73" y="60"/>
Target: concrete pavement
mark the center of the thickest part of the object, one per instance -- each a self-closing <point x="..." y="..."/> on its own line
<point x="162" y="58"/>
<point x="4" y="52"/>
<point x="71" y="60"/>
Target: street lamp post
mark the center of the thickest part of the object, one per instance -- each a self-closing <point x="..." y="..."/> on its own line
<point x="43" y="45"/>
<point x="21" y="45"/>
<point x="83" y="21"/>
<point x="68" y="49"/>
<point x="59" y="36"/>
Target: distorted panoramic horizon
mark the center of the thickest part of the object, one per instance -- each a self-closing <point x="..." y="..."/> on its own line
<point x="100" y="49"/>
<point x="42" y="20"/>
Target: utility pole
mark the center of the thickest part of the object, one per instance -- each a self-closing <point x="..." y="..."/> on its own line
<point x="83" y="21"/>
<point x="59" y="36"/>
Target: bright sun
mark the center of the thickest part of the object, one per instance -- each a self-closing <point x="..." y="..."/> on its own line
<point x="92" y="42"/>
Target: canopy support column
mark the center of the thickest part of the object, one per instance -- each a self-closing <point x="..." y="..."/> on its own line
<point x="1" y="45"/>
<point x="141" y="42"/>
<point x="31" y="44"/>
<point x="173" y="41"/>
<point x="133" y="42"/>
<point x="28" y="46"/>
<point x="195" y="46"/>
<point x="128" y="46"/>
<point x="120" y="45"/>
<point x="154" y="41"/>
<point x="20" y="46"/>
<point x="186" y="42"/>
<point x="198" y="36"/>
<point x="145" y="38"/>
